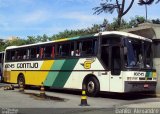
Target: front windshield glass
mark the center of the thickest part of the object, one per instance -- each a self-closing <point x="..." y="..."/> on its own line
<point x="137" y="53"/>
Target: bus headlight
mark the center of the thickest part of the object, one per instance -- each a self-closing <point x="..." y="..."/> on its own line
<point x="154" y="74"/>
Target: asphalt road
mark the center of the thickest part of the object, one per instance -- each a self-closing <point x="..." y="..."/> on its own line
<point x="65" y="102"/>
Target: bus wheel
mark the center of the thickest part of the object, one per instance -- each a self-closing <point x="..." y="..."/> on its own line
<point x="21" y="80"/>
<point x="92" y="87"/>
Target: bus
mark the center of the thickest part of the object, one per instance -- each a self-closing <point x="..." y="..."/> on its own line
<point x="1" y="64"/>
<point x="110" y="61"/>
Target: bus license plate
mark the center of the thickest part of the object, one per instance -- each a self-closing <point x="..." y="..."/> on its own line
<point x="146" y="85"/>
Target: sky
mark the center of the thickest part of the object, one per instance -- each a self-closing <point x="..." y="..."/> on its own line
<point x="22" y="18"/>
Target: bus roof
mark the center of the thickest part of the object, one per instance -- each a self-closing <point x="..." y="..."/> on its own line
<point x="124" y="34"/>
<point x="86" y="36"/>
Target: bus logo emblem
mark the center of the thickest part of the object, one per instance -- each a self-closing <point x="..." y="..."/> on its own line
<point x="87" y="63"/>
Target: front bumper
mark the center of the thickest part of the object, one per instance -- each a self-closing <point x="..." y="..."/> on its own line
<point x="139" y="86"/>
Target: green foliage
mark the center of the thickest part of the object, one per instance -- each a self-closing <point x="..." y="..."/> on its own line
<point x="31" y="40"/>
<point x="156" y="21"/>
<point x="147" y="2"/>
<point x="135" y="21"/>
<point x="17" y="41"/>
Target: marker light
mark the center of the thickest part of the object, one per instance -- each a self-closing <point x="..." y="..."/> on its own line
<point x="154" y="74"/>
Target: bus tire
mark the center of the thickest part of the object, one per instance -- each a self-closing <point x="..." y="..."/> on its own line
<point x="92" y="87"/>
<point x="21" y="79"/>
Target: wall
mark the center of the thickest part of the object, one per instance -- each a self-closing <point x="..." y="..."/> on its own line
<point x="156" y="62"/>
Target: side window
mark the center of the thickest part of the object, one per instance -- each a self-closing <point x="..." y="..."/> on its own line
<point x="34" y="53"/>
<point x="53" y="52"/>
<point x="63" y="50"/>
<point x="41" y="52"/>
<point x="72" y="51"/>
<point x="21" y="54"/>
<point x="24" y="54"/>
<point x="9" y="56"/>
<point x="28" y="53"/>
<point x="18" y="55"/>
<point x="86" y="48"/>
<point x="78" y="48"/>
<point x="12" y="55"/>
<point x="48" y="52"/>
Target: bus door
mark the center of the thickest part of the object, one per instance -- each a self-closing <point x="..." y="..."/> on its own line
<point x="115" y="66"/>
<point x="105" y="61"/>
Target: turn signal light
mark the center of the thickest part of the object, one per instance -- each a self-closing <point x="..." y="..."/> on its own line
<point x="154" y="74"/>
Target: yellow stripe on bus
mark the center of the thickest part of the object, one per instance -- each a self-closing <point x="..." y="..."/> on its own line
<point x="38" y="77"/>
<point x="64" y="39"/>
<point x="47" y="64"/>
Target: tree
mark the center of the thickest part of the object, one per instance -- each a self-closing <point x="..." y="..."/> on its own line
<point x="156" y="21"/>
<point x="95" y="28"/>
<point x="135" y="21"/>
<point x="109" y="7"/>
<point x="31" y="40"/>
<point x="147" y="2"/>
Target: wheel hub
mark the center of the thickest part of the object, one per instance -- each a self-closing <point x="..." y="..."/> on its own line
<point x="90" y="87"/>
<point x="21" y="81"/>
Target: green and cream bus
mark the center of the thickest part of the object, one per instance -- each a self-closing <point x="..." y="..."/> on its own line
<point x="105" y="62"/>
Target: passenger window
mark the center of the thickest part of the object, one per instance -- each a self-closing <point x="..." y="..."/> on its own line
<point x="72" y="51"/>
<point x="21" y="54"/>
<point x="48" y="50"/>
<point x="28" y="53"/>
<point x="10" y="55"/>
<point x="53" y="52"/>
<point x="63" y="50"/>
<point x="13" y="55"/>
<point x="78" y="49"/>
<point x="85" y="48"/>
<point x="24" y="54"/>
<point x="7" y="56"/>
<point x="41" y="52"/>
<point x="18" y="55"/>
<point x="34" y="53"/>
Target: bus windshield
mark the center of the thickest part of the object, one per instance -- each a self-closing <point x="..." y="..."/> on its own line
<point x="137" y="53"/>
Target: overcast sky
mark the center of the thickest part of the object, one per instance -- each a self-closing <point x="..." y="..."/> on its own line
<point x="24" y="18"/>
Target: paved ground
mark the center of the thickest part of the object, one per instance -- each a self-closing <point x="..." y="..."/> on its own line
<point x="66" y="102"/>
